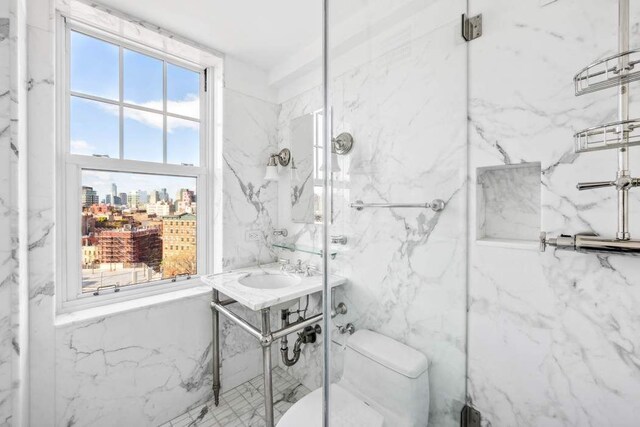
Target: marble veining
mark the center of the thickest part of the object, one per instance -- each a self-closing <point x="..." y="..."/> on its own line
<point x="10" y="356"/>
<point x="553" y="337"/>
<point x="150" y="373"/>
<point x="250" y="203"/>
<point x="7" y="272"/>
<point x="406" y="267"/>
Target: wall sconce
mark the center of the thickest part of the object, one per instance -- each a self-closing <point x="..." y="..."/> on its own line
<point x="283" y="157"/>
<point x="340" y="145"/>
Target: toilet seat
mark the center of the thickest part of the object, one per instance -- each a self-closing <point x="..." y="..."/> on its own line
<point x="346" y="411"/>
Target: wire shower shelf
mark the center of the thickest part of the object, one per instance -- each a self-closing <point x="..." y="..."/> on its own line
<point x="610" y="135"/>
<point x="605" y="73"/>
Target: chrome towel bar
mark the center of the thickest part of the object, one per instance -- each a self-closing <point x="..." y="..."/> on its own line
<point x="437" y="205"/>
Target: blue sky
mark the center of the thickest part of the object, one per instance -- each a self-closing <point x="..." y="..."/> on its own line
<point x="94" y="125"/>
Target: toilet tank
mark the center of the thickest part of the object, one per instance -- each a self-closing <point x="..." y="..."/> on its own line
<point x="390" y="376"/>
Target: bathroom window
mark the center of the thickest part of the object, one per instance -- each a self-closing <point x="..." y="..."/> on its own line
<point x="124" y="104"/>
<point x="134" y="160"/>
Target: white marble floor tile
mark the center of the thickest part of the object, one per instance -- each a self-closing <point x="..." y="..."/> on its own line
<point x="243" y="406"/>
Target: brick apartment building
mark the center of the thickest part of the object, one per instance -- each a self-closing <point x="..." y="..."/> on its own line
<point x="179" y="234"/>
<point x="130" y="246"/>
<point x="179" y="244"/>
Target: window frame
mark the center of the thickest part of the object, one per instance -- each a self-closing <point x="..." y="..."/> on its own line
<point x="69" y="170"/>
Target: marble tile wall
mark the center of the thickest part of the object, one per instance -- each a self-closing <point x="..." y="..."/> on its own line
<point x="12" y="302"/>
<point x="111" y="373"/>
<point x="250" y="202"/>
<point x="555" y="345"/>
<point x="553" y="337"/>
<point x="41" y="198"/>
<point x="406" y="267"/>
<point x="7" y="264"/>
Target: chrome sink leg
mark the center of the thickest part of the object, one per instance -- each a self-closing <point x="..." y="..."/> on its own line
<point x="266" y="360"/>
<point x="215" y="343"/>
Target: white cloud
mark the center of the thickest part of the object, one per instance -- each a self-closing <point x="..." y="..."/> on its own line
<point x="80" y="146"/>
<point x="188" y="107"/>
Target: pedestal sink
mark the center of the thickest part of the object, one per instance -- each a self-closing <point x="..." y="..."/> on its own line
<point x="266" y="280"/>
<point x="265" y="289"/>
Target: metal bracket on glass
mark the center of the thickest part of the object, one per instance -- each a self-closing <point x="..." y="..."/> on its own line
<point x="339" y="240"/>
<point x="471" y="27"/>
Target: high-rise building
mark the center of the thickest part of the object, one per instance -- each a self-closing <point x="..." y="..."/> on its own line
<point x="143" y="197"/>
<point x="123" y="198"/>
<point x="107" y="200"/>
<point x="132" y="200"/>
<point x="89" y="197"/>
<point x="154" y="197"/>
<point x="114" y="191"/>
<point x="163" y="194"/>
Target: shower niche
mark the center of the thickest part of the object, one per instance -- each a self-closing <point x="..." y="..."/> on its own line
<point x="508" y="205"/>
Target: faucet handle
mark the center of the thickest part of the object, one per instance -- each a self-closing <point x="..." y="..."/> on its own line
<point x="310" y="269"/>
<point x="283" y="263"/>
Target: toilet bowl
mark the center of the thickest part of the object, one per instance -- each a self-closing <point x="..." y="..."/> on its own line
<point x="384" y="383"/>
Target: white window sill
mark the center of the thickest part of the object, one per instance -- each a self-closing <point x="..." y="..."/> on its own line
<point x="88" y="314"/>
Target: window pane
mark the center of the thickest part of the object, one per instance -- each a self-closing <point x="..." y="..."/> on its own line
<point x="183" y="141"/>
<point x="94" y="67"/>
<point x="131" y="224"/>
<point x="94" y="128"/>
<point x="142" y="135"/>
<point x="142" y="80"/>
<point x="183" y="91"/>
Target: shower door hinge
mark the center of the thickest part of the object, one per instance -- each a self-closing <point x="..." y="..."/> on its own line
<point x="470" y="417"/>
<point x="471" y="27"/>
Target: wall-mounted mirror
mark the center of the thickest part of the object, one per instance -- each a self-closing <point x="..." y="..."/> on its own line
<point x="302" y="169"/>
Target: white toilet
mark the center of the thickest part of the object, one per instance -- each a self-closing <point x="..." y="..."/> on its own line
<point x="385" y="383"/>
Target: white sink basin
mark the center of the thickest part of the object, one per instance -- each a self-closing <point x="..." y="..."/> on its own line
<point x="264" y="280"/>
<point x="267" y="286"/>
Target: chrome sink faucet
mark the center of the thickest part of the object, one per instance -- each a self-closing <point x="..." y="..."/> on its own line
<point x="299" y="267"/>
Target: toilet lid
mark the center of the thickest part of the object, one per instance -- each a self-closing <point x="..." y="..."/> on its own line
<point x="346" y="411"/>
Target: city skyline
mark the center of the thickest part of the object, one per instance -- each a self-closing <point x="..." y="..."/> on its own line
<point x="102" y="181"/>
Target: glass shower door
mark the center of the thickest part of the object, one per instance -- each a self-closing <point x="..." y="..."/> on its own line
<point x="405" y="252"/>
